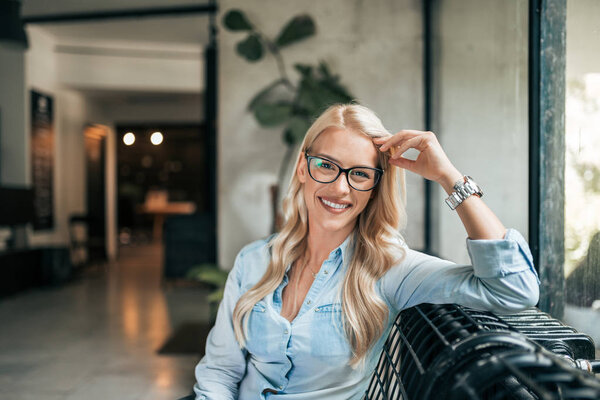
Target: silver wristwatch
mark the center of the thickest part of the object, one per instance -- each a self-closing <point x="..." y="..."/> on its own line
<point x="462" y="190"/>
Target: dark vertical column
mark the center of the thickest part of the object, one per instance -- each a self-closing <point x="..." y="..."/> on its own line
<point x="95" y="165"/>
<point x="547" y="49"/>
<point x="427" y="84"/>
<point x="210" y="108"/>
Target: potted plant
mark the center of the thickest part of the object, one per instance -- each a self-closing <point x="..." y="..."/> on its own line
<point x="214" y="277"/>
<point x="289" y="103"/>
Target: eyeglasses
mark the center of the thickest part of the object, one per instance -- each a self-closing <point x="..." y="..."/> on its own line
<point x="323" y="170"/>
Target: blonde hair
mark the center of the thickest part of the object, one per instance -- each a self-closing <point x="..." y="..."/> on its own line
<point x="376" y="239"/>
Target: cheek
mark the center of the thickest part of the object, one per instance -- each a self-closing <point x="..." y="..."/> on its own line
<point x="362" y="201"/>
<point x="308" y="191"/>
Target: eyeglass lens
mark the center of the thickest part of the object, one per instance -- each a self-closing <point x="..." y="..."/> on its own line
<point x="325" y="171"/>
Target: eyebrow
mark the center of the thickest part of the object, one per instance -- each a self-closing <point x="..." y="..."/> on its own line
<point x="339" y="162"/>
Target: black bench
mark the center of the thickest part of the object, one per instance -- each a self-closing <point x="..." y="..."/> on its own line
<point x="472" y="354"/>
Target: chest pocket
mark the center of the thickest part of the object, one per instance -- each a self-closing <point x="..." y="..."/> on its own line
<point x="327" y="333"/>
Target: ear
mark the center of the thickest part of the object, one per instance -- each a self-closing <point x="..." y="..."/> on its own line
<point x="301" y="170"/>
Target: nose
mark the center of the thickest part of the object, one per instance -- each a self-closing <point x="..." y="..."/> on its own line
<point x="341" y="184"/>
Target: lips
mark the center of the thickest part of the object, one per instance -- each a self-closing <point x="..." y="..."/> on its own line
<point x="334" y="206"/>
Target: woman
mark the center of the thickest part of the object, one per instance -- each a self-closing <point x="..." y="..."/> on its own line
<point x="306" y="312"/>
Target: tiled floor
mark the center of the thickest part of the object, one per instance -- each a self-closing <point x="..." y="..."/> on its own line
<point x="96" y="338"/>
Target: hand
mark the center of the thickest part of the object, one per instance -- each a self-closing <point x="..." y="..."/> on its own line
<point x="432" y="162"/>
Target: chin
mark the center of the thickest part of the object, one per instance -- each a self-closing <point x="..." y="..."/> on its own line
<point x="336" y="226"/>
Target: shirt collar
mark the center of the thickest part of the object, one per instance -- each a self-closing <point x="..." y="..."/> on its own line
<point x="343" y="250"/>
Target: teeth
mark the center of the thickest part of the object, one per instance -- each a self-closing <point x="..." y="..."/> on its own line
<point x="335" y="205"/>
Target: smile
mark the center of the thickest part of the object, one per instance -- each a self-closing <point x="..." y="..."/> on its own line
<point x="335" y="206"/>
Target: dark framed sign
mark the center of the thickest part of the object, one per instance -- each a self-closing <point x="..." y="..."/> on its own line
<point x="42" y="160"/>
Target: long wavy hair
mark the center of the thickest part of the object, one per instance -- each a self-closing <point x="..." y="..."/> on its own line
<point x="376" y="239"/>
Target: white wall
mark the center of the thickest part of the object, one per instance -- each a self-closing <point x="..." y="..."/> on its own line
<point x="69" y="121"/>
<point x="481" y="109"/>
<point x="149" y="107"/>
<point x="118" y="71"/>
<point x="375" y="46"/>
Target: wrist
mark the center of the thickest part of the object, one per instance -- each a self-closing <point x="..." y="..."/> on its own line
<point x="463" y="189"/>
<point x="448" y="180"/>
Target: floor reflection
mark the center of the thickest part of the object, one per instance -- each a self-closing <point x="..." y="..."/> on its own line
<point x="96" y="338"/>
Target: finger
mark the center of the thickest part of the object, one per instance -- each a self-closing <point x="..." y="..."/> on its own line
<point x="395" y="139"/>
<point x="403" y="163"/>
<point x="414" y="143"/>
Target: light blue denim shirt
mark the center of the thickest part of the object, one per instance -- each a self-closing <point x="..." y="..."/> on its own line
<point x="308" y="358"/>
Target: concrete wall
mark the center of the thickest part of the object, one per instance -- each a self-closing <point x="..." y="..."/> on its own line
<point x="375" y="46"/>
<point x="481" y="109"/>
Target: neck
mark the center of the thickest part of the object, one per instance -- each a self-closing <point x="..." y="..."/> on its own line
<point x="321" y="243"/>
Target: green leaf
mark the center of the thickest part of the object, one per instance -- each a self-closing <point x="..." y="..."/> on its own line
<point x="263" y="94"/>
<point x="216" y="296"/>
<point x="308" y="98"/>
<point x="324" y="70"/>
<point x="209" y="273"/>
<point x="305" y="70"/>
<point x="318" y="89"/>
<point x="299" y="28"/>
<point x="272" y="114"/>
<point x="251" y="48"/>
<point x="296" y="129"/>
<point x="235" y="20"/>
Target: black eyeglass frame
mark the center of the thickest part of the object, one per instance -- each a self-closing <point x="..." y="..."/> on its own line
<point x="378" y="172"/>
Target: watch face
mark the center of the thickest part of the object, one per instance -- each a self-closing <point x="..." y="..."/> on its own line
<point x="473" y="187"/>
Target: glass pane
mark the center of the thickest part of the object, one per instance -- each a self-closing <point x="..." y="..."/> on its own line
<point x="480" y="109"/>
<point x="582" y="169"/>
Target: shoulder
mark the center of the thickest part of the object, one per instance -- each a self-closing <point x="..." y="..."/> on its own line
<point x="409" y="261"/>
<point x="252" y="261"/>
<point x="256" y="248"/>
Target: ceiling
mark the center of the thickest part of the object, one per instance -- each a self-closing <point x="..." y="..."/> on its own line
<point x="188" y="30"/>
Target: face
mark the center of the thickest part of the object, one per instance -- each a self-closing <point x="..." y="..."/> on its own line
<point x="335" y="207"/>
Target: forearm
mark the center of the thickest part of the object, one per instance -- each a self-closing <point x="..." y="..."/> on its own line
<point x="479" y="221"/>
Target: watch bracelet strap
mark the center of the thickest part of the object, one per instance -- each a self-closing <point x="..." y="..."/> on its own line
<point x="463" y="189"/>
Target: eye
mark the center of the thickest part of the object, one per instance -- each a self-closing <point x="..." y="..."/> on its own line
<point x="323" y="164"/>
<point x="360" y="173"/>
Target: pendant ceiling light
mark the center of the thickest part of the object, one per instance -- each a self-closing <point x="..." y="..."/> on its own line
<point x="11" y="27"/>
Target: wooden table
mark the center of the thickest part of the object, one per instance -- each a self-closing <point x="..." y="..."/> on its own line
<point x="159" y="212"/>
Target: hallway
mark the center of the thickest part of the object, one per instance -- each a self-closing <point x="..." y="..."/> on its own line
<point x="96" y="338"/>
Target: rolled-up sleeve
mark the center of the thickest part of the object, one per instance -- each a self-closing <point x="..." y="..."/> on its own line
<point x="502" y="277"/>
<point x="222" y="368"/>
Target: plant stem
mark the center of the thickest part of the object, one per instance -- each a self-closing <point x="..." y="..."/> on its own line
<point x="281" y="67"/>
<point x="272" y="48"/>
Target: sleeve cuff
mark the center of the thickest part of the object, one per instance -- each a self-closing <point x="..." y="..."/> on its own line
<point x="500" y="257"/>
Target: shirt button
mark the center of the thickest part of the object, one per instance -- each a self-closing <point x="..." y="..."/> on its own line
<point x="281" y="387"/>
<point x="308" y="302"/>
<point x="286" y="332"/>
<point x="325" y="272"/>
